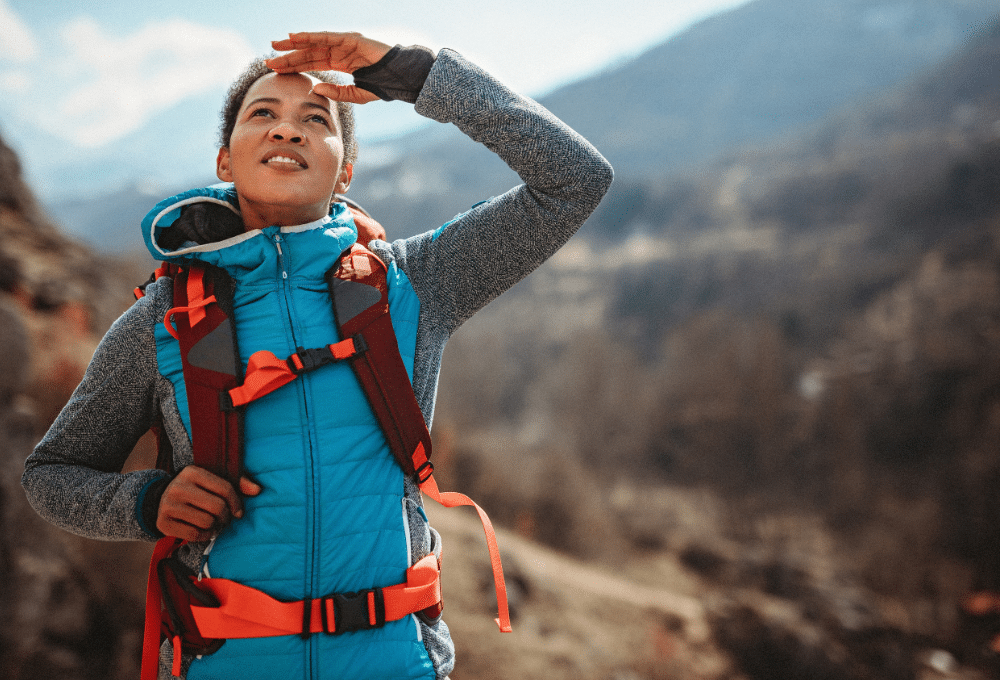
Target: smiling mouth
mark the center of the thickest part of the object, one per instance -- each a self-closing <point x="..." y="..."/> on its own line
<point x="285" y="161"/>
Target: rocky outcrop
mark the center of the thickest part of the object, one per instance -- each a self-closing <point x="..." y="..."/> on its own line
<point x="70" y="608"/>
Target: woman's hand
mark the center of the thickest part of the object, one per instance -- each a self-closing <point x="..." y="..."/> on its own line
<point x="198" y="504"/>
<point x="326" y="51"/>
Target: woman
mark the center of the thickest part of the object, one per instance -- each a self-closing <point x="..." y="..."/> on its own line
<point x="323" y="507"/>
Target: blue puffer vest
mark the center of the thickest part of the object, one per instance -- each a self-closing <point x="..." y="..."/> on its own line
<point x="331" y="517"/>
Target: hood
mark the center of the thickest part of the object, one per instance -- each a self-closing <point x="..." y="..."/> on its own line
<point x="339" y="223"/>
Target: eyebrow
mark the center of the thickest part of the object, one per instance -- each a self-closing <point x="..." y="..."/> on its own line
<point x="275" y="100"/>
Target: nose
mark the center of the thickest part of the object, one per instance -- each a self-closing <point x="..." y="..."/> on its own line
<point x="285" y="132"/>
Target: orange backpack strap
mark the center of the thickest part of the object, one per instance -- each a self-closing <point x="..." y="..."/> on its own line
<point x="359" y="290"/>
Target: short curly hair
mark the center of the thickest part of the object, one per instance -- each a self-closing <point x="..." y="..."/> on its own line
<point x="258" y="69"/>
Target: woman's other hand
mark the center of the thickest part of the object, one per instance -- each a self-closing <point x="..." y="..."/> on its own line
<point x="197" y="504"/>
<point x="327" y="51"/>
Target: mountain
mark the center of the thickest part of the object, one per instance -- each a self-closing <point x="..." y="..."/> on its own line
<point x="745" y="77"/>
<point x="756" y="73"/>
<point x="741" y="78"/>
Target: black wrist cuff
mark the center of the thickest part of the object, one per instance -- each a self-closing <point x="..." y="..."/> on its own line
<point x="399" y="75"/>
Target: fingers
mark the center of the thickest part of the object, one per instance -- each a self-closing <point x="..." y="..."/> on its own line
<point x="248" y="487"/>
<point x="313" y="59"/>
<point x="197" y="504"/>
<point x="344" y="93"/>
<point x="296" y="41"/>
<point x="322" y="51"/>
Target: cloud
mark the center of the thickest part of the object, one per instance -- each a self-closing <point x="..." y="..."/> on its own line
<point x="16" y="40"/>
<point x="108" y="87"/>
<point x="15" y="82"/>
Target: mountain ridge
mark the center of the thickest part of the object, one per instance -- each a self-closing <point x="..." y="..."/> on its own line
<point x="750" y="76"/>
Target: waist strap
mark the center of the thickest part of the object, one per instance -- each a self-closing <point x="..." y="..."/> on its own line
<point x="246" y="612"/>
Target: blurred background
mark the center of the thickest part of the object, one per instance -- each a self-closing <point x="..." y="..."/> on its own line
<point x="744" y="426"/>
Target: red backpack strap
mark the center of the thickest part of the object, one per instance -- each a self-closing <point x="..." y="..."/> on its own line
<point x="201" y="322"/>
<point x="360" y="296"/>
<point x="210" y="359"/>
<point x="164" y="449"/>
<point x="359" y="290"/>
<point x="154" y="606"/>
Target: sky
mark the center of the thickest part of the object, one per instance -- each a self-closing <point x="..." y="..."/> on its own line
<point x="78" y="78"/>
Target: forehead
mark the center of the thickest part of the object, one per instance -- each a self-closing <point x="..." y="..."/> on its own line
<point x="287" y="88"/>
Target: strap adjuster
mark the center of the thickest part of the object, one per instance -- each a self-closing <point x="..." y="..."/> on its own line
<point x="226" y="402"/>
<point x="360" y="344"/>
<point x="305" y="360"/>
<point x="353" y="611"/>
<point x="424" y="472"/>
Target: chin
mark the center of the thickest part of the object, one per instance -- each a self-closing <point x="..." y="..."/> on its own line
<point x="284" y="198"/>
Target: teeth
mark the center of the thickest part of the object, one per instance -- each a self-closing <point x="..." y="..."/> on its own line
<point x="283" y="159"/>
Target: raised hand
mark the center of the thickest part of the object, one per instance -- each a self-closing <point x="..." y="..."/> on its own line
<point x="197" y="504"/>
<point x="328" y="51"/>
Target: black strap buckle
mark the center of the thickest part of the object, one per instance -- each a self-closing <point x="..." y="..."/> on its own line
<point x="311" y="359"/>
<point x="360" y="344"/>
<point x="351" y="612"/>
<point x="424" y="472"/>
<point x="226" y="402"/>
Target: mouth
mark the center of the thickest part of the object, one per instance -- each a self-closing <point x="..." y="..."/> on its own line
<point x="285" y="160"/>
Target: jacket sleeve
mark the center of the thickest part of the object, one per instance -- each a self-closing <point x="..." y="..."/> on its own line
<point x="462" y="266"/>
<point x="73" y="478"/>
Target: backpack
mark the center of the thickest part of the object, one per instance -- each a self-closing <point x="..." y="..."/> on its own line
<point x="198" y="614"/>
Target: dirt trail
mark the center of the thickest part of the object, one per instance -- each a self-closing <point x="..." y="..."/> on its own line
<point x="545" y="566"/>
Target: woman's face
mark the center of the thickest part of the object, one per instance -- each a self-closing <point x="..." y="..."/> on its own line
<point x="286" y="154"/>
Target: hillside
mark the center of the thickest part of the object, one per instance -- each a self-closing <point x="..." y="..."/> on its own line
<point x="782" y="371"/>
<point x="68" y="604"/>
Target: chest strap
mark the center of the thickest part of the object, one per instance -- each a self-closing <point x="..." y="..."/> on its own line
<point x="266" y="372"/>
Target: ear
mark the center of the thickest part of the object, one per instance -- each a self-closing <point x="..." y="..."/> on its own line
<point x="223" y="169"/>
<point x="344" y="181"/>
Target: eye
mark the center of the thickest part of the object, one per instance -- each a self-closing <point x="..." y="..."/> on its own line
<point x="319" y="118"/>
<point x="261" y="112"/>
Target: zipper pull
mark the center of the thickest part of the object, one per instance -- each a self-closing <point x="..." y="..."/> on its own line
<point x="277" y="243"/>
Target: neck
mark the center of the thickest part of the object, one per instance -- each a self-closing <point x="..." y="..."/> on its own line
<point x="259" y="216"/>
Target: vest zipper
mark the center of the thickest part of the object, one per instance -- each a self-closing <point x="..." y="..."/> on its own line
<point x="284" y="287"/>
<point x="312" y="520"/>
